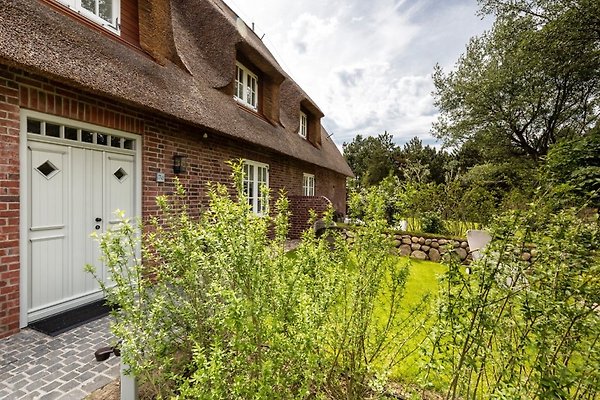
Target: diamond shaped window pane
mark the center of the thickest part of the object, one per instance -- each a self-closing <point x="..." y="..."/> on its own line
<point x="120" y="174"/>
<point x="47" y="169"/>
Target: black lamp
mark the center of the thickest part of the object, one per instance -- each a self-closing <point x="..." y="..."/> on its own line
<point x="178" y="164"/>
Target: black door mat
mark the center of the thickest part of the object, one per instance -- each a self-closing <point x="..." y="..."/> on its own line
<point x="59" y="323"/>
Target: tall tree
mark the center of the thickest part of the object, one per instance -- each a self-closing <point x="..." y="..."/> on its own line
<point x="371" y="158"/>
<point x="530" y="81"/>
<point x="423" y="162"/>
<point x="572" y="170"/>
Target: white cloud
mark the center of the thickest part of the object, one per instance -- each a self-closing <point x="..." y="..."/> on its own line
<point x="367" y="65"/>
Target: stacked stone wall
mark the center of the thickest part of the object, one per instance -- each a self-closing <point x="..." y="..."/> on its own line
<point x="432" y="248"/>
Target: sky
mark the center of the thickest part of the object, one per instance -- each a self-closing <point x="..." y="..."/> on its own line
<point x="367" y="64"/>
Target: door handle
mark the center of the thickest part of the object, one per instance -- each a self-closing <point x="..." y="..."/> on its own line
<point x="97" y="227"/>
<point x="98" y="219"/>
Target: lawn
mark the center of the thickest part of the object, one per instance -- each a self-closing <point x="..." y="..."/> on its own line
<point x="422" y="281"/>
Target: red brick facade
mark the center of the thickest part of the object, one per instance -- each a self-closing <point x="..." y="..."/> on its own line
<point x="300" y="215"/>
<point x="161" y="138"/>
<point x="9" y="203"/>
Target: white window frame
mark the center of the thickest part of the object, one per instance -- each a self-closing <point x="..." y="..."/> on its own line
<point x="308" y="185"/>
<point x="303" y="131"/>
<point x="256" y="176"/>
<point x="112" y="26"/>
<point x="245" y="91"/>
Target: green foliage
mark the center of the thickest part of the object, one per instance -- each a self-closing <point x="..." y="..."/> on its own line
<point x="531" y="81"/>
<point x="523" y="330"/>
<point x="413" y="201"/>
<point x="218" y="310"/>
<point x="572" y="170"/>
<point x="371" y="158"/>
<point x="424" y="164"/>
<point x="432" y="223"/>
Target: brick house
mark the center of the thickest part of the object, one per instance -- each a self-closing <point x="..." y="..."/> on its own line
<point x="100" y="101"/>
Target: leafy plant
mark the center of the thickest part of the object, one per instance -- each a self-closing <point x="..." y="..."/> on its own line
<point x="215" y="309"/>
<point x="517" y="329"/>
<point x="432" y="223"/>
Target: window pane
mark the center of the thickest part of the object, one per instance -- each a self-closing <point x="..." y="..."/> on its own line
<point x="70" y="133"/>
<point x="89" y="5"/>
<point x="251" y="99"/>
<point x="303" y="124"/>
<point x="239" y="83"/>
<point x="101" y="139"/>
<point x="87" y="137"/>
<point x="105" y="8"/>
<point x="128" y="144"/>
<point x="115" y="141"/>
<point x="34" y="126"/>
<point x="52" y="130"/>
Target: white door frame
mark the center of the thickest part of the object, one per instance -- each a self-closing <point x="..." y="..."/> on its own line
<point x="24" y="186"/>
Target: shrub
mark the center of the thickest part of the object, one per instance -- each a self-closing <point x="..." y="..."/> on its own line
<point x="218" y="310"/>
<point x="517" y="329"/>
<point x="432" y="222"/>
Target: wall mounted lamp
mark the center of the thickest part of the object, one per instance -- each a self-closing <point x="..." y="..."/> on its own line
<point x="178" y="164"/>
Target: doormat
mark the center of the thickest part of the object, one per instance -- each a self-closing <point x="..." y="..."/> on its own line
<point x="63" y="322"/>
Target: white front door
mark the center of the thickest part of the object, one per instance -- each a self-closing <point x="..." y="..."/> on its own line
<point x="73" y="190"/>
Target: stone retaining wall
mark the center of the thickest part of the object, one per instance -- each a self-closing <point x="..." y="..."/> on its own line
<point x="434" y="248"/>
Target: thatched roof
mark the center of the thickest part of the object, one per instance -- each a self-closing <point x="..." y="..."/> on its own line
<point x="188" y="62"/>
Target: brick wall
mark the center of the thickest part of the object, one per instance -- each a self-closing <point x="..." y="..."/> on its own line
<point x="161" y="137"/>
<point x="9" y="203"/>
<point x="205" y="161"/>
<point x="300" y="215"/>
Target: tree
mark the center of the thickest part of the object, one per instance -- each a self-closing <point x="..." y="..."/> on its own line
<point x="423" y="163"/>
<point x="371" y="158"/>
<point x="572" y="170"/>
<point x="531" y="81"/>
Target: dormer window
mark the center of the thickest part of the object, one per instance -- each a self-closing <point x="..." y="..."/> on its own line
<point x="246" y="87"/>
<point x="103" y="12"/>
<point x="303" y="131"/>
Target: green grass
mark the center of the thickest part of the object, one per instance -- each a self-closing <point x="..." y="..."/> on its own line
<point x="422" y="281"/>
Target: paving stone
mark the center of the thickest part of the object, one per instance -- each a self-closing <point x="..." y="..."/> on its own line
<point x="84" y="376"/>
<point x="39" y="375"/>
<point x="12" y="380"/>
<point x="19" y="384"/>
<point x="51" y="396"/>
<point x="31" y="396"/>
<point x="72" y="366"/>
<point x="36" y="384"/>
<point x="69" y="376"/>
<point x="69" y="386"/>
<point x="98" y="382"/>
<point x="36" y="366"/>
<point x="76" y="394"/>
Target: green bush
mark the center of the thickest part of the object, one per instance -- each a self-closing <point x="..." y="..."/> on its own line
<point x="516" y="329"/>
<point x="218" y="310"/>
<point x="432" y="222"/>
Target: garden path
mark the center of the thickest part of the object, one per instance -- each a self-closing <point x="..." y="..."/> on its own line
<point x="37" y="366"/>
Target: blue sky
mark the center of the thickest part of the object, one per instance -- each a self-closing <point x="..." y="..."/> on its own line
<point x="367" y="64"/>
